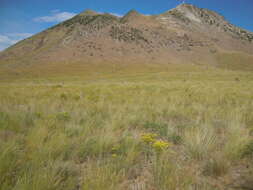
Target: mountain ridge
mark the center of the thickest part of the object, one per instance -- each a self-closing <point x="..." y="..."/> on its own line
<point x="186" y="34"/>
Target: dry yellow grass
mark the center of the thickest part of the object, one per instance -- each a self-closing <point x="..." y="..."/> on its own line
<point x="85" y="132"/>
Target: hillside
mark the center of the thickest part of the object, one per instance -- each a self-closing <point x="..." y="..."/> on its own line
<point x="183" y="35"/>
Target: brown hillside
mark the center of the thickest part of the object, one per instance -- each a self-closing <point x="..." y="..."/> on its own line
<point x="185" y="34"/>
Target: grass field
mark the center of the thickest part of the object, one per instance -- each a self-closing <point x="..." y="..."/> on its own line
<point x="144" y="131"/>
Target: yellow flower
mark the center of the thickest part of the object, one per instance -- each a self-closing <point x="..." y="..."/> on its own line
<point x="148" y="137"/>
<point x="115" y="148"/>
<point x="114" y="155"/>
<point x="160" y="145"/>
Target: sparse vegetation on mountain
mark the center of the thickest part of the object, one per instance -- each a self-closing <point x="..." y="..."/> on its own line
<point x="183" y="35"/>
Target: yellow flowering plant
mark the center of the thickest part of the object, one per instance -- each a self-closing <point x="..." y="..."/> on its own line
<point x="160" y="145"/>
<point x="157" y="144"/>
<point x="148" y="137"/>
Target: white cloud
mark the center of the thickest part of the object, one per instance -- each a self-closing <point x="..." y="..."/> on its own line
<point x="116" y="14"/>
<point x="55" y="16"/>
<point x="12" y="38"/>
<point x="20" y="35"/>
<point x="5" y="40"/>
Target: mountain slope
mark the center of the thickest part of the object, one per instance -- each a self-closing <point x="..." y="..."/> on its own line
<point x="185" y="34"/>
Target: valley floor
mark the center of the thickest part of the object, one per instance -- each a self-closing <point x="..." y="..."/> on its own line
<point x="149" y="131"/>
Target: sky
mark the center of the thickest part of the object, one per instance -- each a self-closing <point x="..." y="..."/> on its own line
<point x="20" y="19"/>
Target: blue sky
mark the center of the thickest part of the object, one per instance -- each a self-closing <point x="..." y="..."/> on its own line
<point x="20" y="19"/>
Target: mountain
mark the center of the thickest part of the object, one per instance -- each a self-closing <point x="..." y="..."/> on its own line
<point x="183" y="35"/>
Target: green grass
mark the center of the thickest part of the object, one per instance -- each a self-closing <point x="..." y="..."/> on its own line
<point x="85" y="132"/>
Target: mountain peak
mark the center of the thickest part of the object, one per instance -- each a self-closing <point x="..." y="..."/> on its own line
<point x="132" y="12"/>
<point x="189" y="12"/>
<point x="131" y="15"/>
<point x="200" y="12"/>
<point x="186" y="5"/>
<point x="88" y="12"/>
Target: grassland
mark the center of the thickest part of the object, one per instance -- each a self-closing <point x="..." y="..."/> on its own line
<point x="144" y="131"/>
